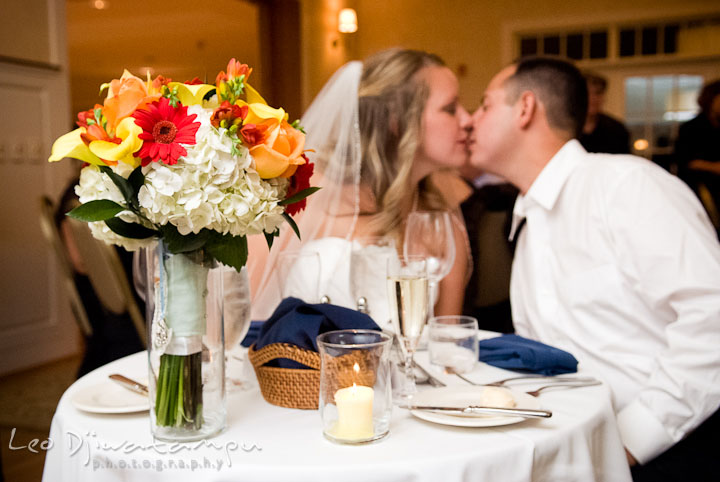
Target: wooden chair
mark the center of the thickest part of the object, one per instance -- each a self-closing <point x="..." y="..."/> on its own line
<point x="52" y="236"/>
<point x="104" y="269"/>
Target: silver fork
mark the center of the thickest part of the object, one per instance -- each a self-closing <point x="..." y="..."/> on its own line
<point x="558" y="379"/>
<point x="568" y="386"/>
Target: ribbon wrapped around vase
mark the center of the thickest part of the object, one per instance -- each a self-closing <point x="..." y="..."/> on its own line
<point x="186" y="352"/>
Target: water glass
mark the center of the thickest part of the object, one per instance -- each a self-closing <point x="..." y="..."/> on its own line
<point x="453" y="343"/>
<point x="368" y="260"/>
<point x="355" y="400"/>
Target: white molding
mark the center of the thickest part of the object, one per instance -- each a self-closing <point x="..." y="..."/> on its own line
<point x="585" y="22"/>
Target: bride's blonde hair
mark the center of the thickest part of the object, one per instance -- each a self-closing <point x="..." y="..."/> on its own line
<point x="392" y="96"/>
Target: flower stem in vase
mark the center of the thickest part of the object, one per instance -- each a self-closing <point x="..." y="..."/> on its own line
<point x="179" y="397"/>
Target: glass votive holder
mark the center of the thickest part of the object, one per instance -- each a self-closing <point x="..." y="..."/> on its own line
<point x="453" y="343"/>
<point x="355" y="392"/>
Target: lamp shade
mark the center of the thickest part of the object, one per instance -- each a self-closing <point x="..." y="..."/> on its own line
<point x="347" y="20"/>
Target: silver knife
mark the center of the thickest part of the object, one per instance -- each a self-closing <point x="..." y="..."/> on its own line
<point x="128" y="383"/>
<point x="518" y="412"/>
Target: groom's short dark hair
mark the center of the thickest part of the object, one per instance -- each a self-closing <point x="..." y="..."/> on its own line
<point x="558" y="84"/>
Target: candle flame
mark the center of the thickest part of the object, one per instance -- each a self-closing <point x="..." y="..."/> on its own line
<point x="354" y="389"/>
<point x="356" y="368"/>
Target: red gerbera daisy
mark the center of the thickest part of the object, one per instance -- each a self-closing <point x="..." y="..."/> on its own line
<point x="164" y="128"/>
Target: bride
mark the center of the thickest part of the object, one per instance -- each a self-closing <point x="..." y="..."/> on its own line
<point x="378" y="129"/>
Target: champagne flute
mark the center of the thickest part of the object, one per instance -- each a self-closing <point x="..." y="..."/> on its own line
<point x="430" y="234"/>
<point x="407" y="283"/>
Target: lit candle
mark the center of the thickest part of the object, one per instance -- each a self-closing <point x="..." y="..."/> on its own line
<point x="355" y="412"/>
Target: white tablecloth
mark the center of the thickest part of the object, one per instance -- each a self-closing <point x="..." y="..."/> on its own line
<point x="266" y="443"/>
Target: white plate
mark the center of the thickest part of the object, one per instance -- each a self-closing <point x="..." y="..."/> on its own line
<point x="462" y="397"/>
<point x="109" y="397"/>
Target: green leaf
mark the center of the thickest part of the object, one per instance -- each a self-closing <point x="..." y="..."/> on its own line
<point x="136" y="180"/>
<point x="270" y="238"/>
<point x="299" y="196"/>
<point x="123" y="184"/>
<point x="178" y="243"/>
<point x="98" y="210"/>
<point x="292" y="224"/>
<point x="130" y="230"/>
<point x="228" y="249"/>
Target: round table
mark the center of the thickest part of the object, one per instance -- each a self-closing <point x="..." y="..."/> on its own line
<point x="266" y="443"/>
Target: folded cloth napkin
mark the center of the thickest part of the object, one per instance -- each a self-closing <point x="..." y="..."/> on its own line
<point x="514" y="352"/>
<point x="299" y="323"/>
<point x="252" y="334"/>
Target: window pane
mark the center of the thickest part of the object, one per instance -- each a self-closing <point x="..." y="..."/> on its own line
<point x="528" y="46"/>
<point x="575" y="46"/>
<point x="635" y="98"/>
<point x="649" y="40"/>
<point x="685" y="106"/>
<point x="598" y="45"/>
<point x="662" y="95"/>
<point x="670" y="39"/>
<point x="551" y="45"/>
<point x="627" y="43"/>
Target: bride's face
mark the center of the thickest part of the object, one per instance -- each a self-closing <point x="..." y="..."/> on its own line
<point x="445" y="122"/>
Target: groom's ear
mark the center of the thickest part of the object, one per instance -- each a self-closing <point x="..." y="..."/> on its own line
<point x="527" y="109"/>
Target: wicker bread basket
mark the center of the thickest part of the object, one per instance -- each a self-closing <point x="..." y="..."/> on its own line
<point x="287" y="387"/>
<point x="300" y="388"/>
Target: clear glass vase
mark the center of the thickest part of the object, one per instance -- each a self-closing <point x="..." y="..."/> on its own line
<point x="184" y="299"/>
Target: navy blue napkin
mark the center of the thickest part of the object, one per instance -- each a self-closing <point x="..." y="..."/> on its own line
<point x="252" y="334"/>
<point x="299" y="323"/>
<point x="514" y="352"/>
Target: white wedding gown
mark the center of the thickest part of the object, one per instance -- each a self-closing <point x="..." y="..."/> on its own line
<point x="347" y="271"/>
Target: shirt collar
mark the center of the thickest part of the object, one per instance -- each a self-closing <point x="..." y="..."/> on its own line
<point x="547" y="187"/>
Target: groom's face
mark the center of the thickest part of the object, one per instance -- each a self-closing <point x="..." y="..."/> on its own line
<point x="493" y="125"/>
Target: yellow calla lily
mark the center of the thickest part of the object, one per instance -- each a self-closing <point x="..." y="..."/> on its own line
<point x="71" y="145"/>
<point x="191" y="94"/>
<point x="259" y="113"/>
<point x="128" y="131"/>
<point x="253" y="96"/>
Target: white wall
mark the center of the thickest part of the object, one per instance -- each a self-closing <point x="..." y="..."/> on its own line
<point x="36" y="325"/>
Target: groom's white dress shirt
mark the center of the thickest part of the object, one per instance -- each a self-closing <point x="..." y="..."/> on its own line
<point x="619" y="265"/>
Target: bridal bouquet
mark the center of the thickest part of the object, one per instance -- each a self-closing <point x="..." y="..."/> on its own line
<point x="199" y="167"/>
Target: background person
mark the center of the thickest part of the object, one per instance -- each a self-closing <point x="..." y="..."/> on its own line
<point x="697" y="148"/>
<point x="601" y="132"/>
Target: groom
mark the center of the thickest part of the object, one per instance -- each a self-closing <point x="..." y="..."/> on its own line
<point x="615" y="262"/>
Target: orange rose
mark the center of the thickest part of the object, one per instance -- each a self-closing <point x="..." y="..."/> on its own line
<point x="125" y="96"/>
<point x="280" y="153"/>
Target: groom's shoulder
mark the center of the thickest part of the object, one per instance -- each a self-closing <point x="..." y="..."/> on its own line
<point x="600" y="166"/>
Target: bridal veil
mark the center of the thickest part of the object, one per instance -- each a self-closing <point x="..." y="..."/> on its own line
<point x="332" y="131"/>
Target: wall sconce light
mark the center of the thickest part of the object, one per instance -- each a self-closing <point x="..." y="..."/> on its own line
<point x="347" y="20"/>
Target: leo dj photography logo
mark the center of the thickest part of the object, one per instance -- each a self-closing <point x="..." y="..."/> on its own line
<point x="155" y="456"/>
